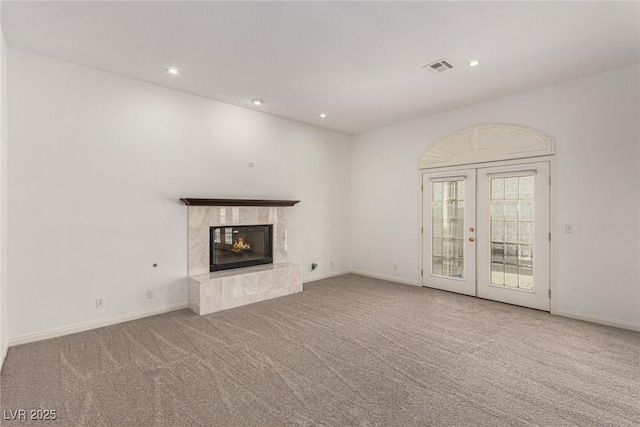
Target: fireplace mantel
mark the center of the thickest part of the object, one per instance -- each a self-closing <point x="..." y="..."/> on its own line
<point x="210" y="292"/>
<point x="238" y="202"/>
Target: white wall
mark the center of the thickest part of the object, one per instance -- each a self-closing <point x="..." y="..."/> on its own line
<point x="3" y="199"/>
<point x="98" y="163"/>
<point x="595" y="124"/>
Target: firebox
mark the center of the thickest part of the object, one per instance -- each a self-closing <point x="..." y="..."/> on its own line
<point x="240" y="246"/>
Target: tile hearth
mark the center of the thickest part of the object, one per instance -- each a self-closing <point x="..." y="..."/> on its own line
<point x="222" y="290"/>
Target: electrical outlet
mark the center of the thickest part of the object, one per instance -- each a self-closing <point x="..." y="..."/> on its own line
<point x="251" y="165"/>
<point x="149" y="293"/>
<point x="395" y="267"/>
<point x="313" y="266"/>
<point x="99" y="302"/>
<point x="330" y="263"/>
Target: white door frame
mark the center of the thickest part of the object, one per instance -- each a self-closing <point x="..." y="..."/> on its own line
<point x="489" y="145"/>
<point x="552" y="221"/>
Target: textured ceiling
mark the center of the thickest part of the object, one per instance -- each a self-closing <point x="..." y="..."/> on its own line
<point x="358" y="62"/>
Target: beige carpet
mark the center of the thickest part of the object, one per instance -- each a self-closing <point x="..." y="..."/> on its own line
<point x="347" y="351"/>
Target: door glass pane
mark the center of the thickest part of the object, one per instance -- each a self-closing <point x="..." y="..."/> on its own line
<point x="436" y="246"/>
<point x="511" y="210"/>
<point x="447" y="228"/>
<point x="447" y="248"/>
<point x="436" y="229"/>
<point x="459" y="248"/>
<point x="497" y="189"/>
<point x="497" y="208"/>
<point x="511" y="276"/>
<point x="512" y="230"/>
<point x="497" y="273"/>
<point x="511" y="187"/>
<point x="525" y="278"/>
<point x="497" y="231"/>
<point x="436" y="265"/>
<point x="497" y="252"/>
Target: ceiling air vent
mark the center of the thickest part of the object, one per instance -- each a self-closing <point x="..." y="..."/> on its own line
<point x="438" y="66"/>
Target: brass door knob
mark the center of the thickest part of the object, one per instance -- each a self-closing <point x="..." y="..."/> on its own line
<point x="471" y="239"/>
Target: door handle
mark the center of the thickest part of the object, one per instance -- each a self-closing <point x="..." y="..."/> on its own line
<point x="471" y="239"/>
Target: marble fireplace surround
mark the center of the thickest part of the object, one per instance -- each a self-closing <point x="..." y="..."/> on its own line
<point x="210" y="292"/>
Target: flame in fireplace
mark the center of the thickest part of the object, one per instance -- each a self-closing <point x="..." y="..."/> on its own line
<point x="239" y="245"/>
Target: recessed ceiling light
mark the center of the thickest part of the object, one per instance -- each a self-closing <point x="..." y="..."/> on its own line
<point x="256" y="101"/>
<point x="323" y="115"/>
<point x="173" y="71"/>
<point x="474" y="63"/>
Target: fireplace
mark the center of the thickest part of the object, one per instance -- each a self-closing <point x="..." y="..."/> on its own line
<point x="240" y="246"/>
<point x="212" y="287"/>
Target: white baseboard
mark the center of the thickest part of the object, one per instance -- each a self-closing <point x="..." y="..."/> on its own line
<point x="383" y="277"/>
<point x="598" y="319"/>
<point x="326" y="276"/>
<point x="53" y="333"/>
<point x="623" y="324"/>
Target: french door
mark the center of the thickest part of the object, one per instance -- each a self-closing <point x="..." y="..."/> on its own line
<point x="449" y="231"/>
<point x="486" y="233"/>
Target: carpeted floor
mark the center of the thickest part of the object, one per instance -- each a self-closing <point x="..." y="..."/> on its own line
<point x="347" y="351"/>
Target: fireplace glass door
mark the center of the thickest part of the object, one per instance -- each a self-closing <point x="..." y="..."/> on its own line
<point x="240" y="246"/>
